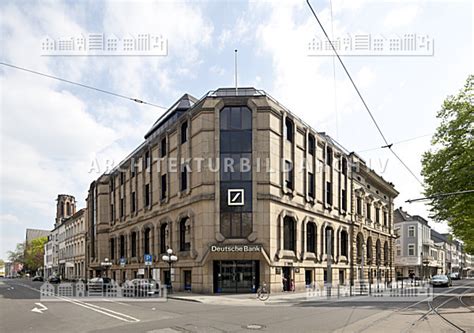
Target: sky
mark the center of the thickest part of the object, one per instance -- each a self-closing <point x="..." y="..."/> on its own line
<point x="57" y="138"/>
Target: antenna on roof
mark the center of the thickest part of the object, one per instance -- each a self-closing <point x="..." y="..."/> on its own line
<point x="235" y="70"/>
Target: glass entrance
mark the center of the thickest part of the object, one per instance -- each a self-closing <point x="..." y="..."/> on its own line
<point x="236" y="276"/>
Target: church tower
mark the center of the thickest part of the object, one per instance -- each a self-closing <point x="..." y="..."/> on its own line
<point x="66" y="207"/>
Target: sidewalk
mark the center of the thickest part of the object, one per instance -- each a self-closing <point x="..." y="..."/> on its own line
<point x="239" y="299"/>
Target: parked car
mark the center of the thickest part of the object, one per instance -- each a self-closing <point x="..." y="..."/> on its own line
<point x="99" y="284"/>
<point x="454" y="276"/>
<point x="441" y="281"/>
<point x="54" y="279"/>
<point x="37" y="278"/>
<point x="141" y="287"/>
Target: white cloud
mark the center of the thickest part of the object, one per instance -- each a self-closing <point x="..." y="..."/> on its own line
<point x="401" y="16"/>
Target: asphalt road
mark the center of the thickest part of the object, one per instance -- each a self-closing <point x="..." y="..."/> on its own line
<point x="18" y="297"/>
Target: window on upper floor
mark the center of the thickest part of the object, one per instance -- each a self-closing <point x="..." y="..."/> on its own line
<point x="289" y="233"/>
<point x="411" y="231"/>
<point x="411" y="249"/>
<point x="329" y="193"/>
<point x="311" y="237"/>
<point x="368" y="209"/>
<point x="311" y="144"/>
<point x="329" y="156"/>
<point x="163" y="147"/>
<point x="359" y="206"/>
<point x="184" y="132"/>
<point x="311" y="185"/>
<point x="289" y="129"/>
<point x="163" y="187"/>
<point x="289" y="175"/>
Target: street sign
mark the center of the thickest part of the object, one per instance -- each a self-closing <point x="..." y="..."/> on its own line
<point x="123" y="261"/>
<point x="148" y="259"/>
<point x="235" y="197"/>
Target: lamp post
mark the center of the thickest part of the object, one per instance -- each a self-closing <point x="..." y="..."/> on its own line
<point x="106" y="264"/>
<point x="169" y="257"/>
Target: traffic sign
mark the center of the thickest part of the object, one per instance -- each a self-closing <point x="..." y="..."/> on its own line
<point x="123" y="261"/>
<point x="148" y="259"/>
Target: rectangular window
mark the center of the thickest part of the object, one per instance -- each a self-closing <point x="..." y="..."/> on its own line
<point x="359" y="206"/>
<point x="133" y="203"/>
<point x="311" y="144"/>
<point x="147" y="160"/>
<point x="311" y="185"/>
<point x="399" y="251"/>
<point x="163" y="147"/>
<point x="411" y="231"/>
<point x="122" y="208"/>
<point x="147" y="195"/>
<point x="329" y="156"/>
<point x="289" y="129"/>
<point x="368" y="211"/>
<point x="329" y="193"/>
<point x="289" y="175"/>
<point x="377" y="215"/>
<point x="134" y="244"/>
<point x="411" y="249"/>
<point x="344" y="167"/>
<point x="184" y="132"/>
<point x="385" y="218"/>
<point x="132" y="169"/>
<point x="184" y="178"/>
<point x="163" y="186"/>
<point x="344" y="199"/>
<point x="122" y="178"/>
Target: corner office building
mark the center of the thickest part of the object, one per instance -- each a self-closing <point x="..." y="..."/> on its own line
<point x="233" y="227"/>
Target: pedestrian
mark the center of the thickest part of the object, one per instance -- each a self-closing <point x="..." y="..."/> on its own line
<point x="283" y="281"/>
<point x="292" y="285"/>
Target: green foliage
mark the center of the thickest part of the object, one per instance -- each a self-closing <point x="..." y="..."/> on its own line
<point x="34" y="254"/>
<point x="17" y="255"/>
<point x="449" y="167"/>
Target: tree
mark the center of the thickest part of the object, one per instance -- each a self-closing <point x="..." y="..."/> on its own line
<point x="449" y="166"/>
<point x="17" y="255"/>
<point x="34" y="254"/>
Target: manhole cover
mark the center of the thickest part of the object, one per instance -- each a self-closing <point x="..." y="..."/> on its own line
<point x="254" y="327"/>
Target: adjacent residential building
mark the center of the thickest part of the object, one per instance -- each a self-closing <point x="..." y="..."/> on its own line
<point x="416" y="253"/>
<point x="243" y="192"/>
<point x="64" y="253"/>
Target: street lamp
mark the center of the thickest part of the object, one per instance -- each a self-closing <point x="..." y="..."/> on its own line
<point x="106" y="264"/>
<point x="170" y="258"/>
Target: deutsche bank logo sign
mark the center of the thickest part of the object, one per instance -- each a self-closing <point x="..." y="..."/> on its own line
<point x="235" y="197"/>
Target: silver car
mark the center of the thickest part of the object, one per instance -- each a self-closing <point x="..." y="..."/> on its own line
<point x="441" y="281"/>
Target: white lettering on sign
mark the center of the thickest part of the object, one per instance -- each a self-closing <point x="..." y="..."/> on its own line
<point x="236" y="248"/>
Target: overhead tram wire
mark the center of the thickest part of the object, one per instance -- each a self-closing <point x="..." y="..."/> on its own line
<point x="440" y="195"/>
<point x="136" y="100"/>
<point x="395" y="143"/>
<point x="387" y="144"/>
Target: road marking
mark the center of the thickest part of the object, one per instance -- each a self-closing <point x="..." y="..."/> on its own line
<point x="95" y="308"/>
<point x="105" y="311"/>
<point x="43" y="308"/>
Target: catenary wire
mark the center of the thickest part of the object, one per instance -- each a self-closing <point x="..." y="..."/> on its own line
<point x="136" y="100"/>
<point x="387" y="144"/>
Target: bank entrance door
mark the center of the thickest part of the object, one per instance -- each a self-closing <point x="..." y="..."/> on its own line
<point x="236" y="276"/>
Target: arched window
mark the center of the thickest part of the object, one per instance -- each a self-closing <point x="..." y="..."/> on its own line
<point x="311" y="237"/>
<point x="385" y="252"/>
<point x="369" y="250"/>
<point x="134" y="244"/>
<point x="289" y="234"/>
<point x="163" y="237"/>
<point x="360" y="247"/>
<point x="146" y="240"/>
<point x="184" y="234"/>
<point x="378" y="252"/>
<point x="122" y="246"/>
<point x="329" y="239"/>
<point x="344" y="243"/>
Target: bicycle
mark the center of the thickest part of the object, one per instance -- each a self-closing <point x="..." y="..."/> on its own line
<point x="263" y="293"/>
